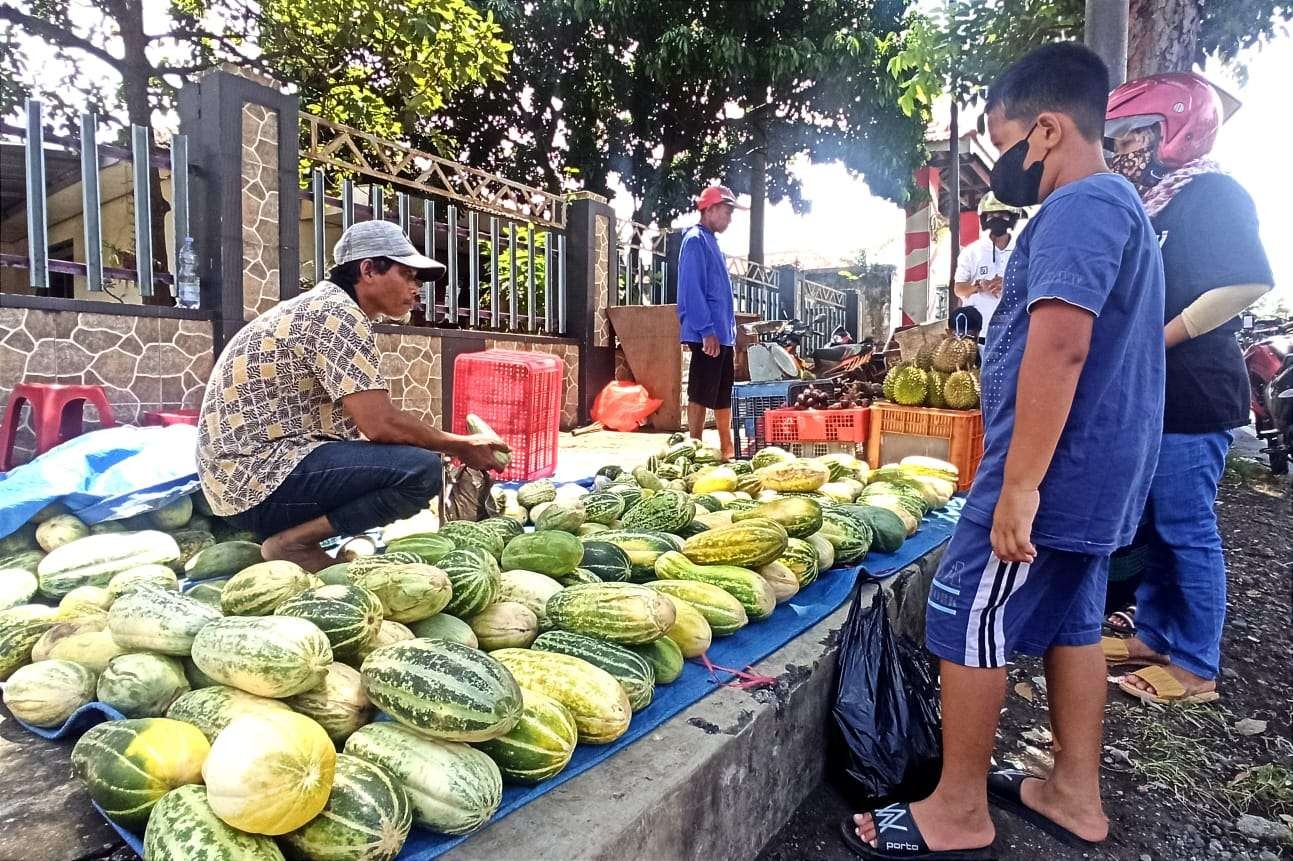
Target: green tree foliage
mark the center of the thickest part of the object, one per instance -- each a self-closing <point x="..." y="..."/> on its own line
<point x="671" y="95"/>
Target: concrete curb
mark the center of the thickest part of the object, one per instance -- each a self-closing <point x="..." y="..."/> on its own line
<point x="718" y="780"/>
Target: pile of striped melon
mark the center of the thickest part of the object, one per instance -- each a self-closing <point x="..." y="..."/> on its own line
<point x="252" y="689"/>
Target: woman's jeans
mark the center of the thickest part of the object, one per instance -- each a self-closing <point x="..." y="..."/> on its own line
<point x="1181" y="603"/>
<point x="357" y="485"/>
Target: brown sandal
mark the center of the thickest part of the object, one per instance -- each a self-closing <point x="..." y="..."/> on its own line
<point x="1167" y="689"/>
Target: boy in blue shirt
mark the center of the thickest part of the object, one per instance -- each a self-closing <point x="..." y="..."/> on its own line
<point x="1072" y="400"/>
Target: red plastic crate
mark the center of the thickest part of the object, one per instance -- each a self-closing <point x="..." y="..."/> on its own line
<point x="518" y="394"/>
<point x="787" y="426"/>
<point x="955" y="436"/>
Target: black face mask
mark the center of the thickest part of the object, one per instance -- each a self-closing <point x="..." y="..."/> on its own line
<point x="1012" y="183"/>
<point x="998" y="226"/>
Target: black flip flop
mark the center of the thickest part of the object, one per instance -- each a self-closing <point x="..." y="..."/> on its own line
<point x="1004" y="788"/>
<point x="898" y="837"/>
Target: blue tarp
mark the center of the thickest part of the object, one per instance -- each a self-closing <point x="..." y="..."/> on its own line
<point x="103" y="475"/>
<point x="748" y="646"/>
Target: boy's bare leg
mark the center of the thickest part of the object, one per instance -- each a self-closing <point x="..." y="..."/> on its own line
<point x="723" y="418"/>
<point x="300" y="544"/>
<point x="696" y="420"/>
<point x="956" y="816"/>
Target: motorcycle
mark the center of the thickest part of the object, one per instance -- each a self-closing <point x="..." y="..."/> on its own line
<point x="1268" y="356"/>
<point x="777" y="356"/>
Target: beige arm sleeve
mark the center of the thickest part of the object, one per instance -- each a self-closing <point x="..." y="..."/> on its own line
<point x="1217" y="306"/>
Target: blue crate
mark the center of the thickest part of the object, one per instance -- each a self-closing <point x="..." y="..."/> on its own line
<point x="749" y="402"/>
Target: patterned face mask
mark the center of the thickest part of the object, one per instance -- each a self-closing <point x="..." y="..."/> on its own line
<point x="1134" y="166"/>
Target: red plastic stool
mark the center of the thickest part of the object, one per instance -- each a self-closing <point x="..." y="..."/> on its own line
<point x="57" y="414"/>
<point x="166" y="418"/>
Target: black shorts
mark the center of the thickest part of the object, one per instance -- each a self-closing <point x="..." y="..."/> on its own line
<point x="711" y="378"/>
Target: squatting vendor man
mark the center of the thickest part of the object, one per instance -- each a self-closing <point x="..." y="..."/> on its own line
<point x="298" y="440"/>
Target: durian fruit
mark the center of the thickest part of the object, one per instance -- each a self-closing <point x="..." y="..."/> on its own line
<point x="969" y="357"/>
<point x="890" y="377"/>
<point x="925" y="357"/>
<point x="910" y="387"/>
<point x="961" y="391"/>
<point x="937" y="380"/>
<point x="947" y="356"/>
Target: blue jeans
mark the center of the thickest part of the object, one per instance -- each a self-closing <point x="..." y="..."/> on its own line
<point x="357" y="485"/>
<point x="1181" y="603"/>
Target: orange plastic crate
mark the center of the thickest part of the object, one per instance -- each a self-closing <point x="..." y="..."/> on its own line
<point x="955" y="436"/>
<point x="786" y="426"/>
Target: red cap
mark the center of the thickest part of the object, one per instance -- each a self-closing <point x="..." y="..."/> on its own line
<point x="717" y="194"/>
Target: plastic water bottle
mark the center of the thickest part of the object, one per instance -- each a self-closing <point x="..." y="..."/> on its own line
<point x="188" y="292"/>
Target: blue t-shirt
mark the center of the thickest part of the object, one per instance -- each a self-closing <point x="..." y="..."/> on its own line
<point x="1090" y="245"/>
<point x="705" y="303"/>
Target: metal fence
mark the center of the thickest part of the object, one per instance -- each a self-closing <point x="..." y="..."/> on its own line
<point x="755" y="288"/>
<point x="817" y="301"/>
<point x="503" y="244"/>
<point x="94" y="158"/>
<point x="642" y="263"/>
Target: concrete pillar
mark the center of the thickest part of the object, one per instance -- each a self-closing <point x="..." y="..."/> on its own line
<point x="245" y="206"/>
<point x="672" y="250"/>
<point x="591" y="276"/>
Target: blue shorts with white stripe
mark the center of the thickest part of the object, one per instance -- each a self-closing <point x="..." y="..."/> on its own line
<point x="982" y="610"/>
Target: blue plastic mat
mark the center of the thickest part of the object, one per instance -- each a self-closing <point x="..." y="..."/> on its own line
<point x="80" y="720"/>
<point x="748" y="646"/>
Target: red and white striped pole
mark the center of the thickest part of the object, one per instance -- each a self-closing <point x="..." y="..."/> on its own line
<point x="915" y="285"/>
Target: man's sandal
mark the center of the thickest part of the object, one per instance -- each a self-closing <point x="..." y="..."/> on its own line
<point x="1116" y="654"/>
<point x="897" y="836"/>
<point x="1005" y="787"/>
<point x="1167" y="689"/>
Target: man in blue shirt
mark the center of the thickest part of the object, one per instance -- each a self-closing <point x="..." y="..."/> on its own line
<point x="707" y="317"/>
<point x="1072" y="380"/>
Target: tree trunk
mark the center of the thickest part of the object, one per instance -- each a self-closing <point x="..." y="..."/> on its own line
<point x="134" y="88"/>
<point x="758" y="181"/>
<point x="1163" y="36"/>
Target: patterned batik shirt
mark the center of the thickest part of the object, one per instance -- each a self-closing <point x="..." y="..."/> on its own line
<point x="275" y="394"/>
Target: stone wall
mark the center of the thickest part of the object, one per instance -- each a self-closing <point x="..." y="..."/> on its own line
<point x="412" y="367"/>
<point x="143" y="363"/>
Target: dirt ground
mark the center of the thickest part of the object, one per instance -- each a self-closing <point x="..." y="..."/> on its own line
<point x="1178" y="780"/>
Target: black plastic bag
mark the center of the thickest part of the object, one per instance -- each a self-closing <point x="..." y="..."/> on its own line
<point x="886" y="711"/>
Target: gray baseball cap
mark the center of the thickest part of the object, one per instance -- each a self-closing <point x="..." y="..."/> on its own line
<point x="366" y="239"/>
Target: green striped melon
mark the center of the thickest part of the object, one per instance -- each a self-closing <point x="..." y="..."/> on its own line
<point x="85" y="596"/>
<point x="172" y="515"/>
<point x="721" y="610"/>
<point x="746" y="586"/>
<point x="429" y="547"/>
<point x="533" y="493"/>
<point x="336" y="575"/>
<point x="47" y="692"/>
<point x="408" y="591"/>
<point x="563" y="516"/>
<point x="349" y="616"/>
<point x="223" y="560"/>
<point x="389" y="632"/>
<point x="553" y="553"/>
<point x="159" y="576"/>
<point x="594" y="697"/>
<point x="603" y="507"/>
<point x="798" y="515"/>
<point x="474" y="576"/>
<point x="197" y="678"/>
<point x="207" y="593"/>
<point x="825" y="551"/>
<point x="748" y="544"/>
<point x="665" y="658"/>
<point x="620" y="612"/>
<point x="666" y="511"/>
<point x="20" y="628"/>
<point x="158" y="621"/>
<point x="541" y="743"/>
<point x="184" y="826"/>
<point x="60" y="631"/>
<point x="213" y="708"/>
<point x="339" y="705"/>
<point x="632" y="671"/>
<point x="17" y="586"/>
<point x="606" y="560"/>
<point x="643" y="548"/>
<point x="269" y="772"/>
<point x="259" y="589"/>
<point x="505" y="528"/>
<point x="531" y="589"/>
<point x="271" y="656"/>
<point x="191" y="542"/>
<point x="887" y="528"/>
<point x="453" y="788"/>
<point x="128" y="765"/>
<point x="466" y="533"/>
<point x="59" y="530"/>
<point x="444" y="690"/>
<point x="367" y="817"/>
<point x="851" y="535"/>
<point x="577" y="577"/>
<point x="801" y="558"/>
<point x="91" y="649"/>
<point x="142" y="685"/>
<point x="93" y="560"/>
<point x="364" y="564"/>
<point x="442" y="626"/>
<point x="505" y="625"/>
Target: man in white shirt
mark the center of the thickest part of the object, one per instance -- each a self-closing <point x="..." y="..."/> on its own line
<point x="982" y="264"/>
